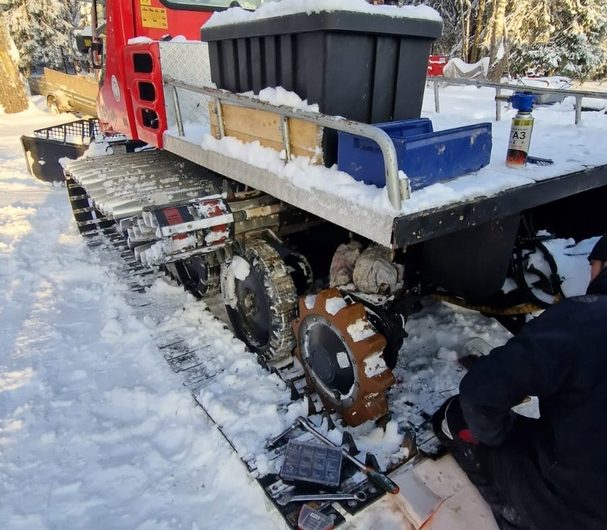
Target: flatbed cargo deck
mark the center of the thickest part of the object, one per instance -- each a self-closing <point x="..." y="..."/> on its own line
<point x="386" y="226"/>
<point x="434" y="222"/>
<point x="492" y="193"/>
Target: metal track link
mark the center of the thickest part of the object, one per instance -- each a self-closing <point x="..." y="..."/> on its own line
<point x="284" y="303"/>
<point x="196" y="364"/>
<point x="137" y="276"/>
<point x="121" y="185"/>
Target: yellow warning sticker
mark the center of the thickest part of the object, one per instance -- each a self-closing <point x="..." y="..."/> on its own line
<point x="145" y="2"/>
<point x="154" y="17"/>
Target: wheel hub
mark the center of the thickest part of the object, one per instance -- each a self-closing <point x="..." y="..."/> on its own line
<point x="254" y="307"/>
<point x="328" y="359"/>
<point x="342" y="357"/>
<point x="249" y="302"/>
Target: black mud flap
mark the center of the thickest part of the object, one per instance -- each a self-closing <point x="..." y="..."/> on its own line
<point x="471" y="263"/>
<point x="42" y="157"/>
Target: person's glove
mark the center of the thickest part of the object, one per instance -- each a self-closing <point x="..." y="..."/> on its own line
<point x="449" y="423"/>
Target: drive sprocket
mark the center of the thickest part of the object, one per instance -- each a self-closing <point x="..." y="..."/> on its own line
<point x="342" y="356"/>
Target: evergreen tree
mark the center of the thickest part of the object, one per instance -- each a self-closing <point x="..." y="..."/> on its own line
<point x="41" y="31"/>
<point x="567" y="37"/>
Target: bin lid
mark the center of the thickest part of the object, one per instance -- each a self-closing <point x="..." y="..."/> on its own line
<point x="339" y="21"/>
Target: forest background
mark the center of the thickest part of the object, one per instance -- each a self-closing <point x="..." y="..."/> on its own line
<point x="538" y="37"/>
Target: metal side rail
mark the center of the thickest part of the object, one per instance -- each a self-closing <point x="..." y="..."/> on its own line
<point x="397" y="189"/>
<point x="579" y="95"/>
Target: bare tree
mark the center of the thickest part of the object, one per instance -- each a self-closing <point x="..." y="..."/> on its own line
<point x="475" y="52"/>
<point x="12" y="91"/>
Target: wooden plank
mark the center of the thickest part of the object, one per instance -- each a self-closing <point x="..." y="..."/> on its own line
<point x="253" y="125"/>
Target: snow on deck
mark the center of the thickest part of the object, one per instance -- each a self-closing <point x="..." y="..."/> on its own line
<point x="352" y="204"/>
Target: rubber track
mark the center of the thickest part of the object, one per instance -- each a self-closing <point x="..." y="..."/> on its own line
<point x="193" y="361"/>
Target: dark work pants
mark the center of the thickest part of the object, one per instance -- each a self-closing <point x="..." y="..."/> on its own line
<point x="489" y="469"/>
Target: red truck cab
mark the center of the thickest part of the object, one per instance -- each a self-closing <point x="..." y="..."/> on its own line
<point x="131" y="95"/>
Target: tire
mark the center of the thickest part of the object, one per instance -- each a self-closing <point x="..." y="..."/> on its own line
<point x="262" y="305"/>
<point x="53" y="105"/>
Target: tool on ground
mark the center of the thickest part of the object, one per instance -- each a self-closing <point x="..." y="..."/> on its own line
<point x="272" y="442"/>
<point x="311" y="519"/>
<point x="313" y="463"/>
<point x="379" y="479"/>
<point x="286" y="498"/>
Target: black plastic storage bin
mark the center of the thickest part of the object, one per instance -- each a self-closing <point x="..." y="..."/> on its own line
<point x="368" y="68"/>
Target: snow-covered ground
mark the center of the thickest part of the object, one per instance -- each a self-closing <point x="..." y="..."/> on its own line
<point x="96" y="431"/>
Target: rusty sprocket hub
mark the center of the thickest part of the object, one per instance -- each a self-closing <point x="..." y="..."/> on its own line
<point x="342" y="356"/>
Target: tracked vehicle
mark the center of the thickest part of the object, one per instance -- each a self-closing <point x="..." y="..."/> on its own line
<point x="237" y="193"/>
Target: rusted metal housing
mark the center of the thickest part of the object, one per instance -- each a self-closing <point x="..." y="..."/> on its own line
<point x="364" y="399"/>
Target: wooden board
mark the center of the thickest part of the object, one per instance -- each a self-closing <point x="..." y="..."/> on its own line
<point x="252" y="125"/>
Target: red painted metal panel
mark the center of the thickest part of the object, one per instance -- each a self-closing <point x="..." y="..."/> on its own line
<point x="114" y="106"/>
<point x="436" y="63"/>
<point x="121" y="107"/>
<point x="149" y="112"/>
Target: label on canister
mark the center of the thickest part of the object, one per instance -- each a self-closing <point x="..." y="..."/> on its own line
<point x="520" y="134"/>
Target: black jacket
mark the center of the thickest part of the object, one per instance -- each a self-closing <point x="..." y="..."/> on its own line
<point x="560" y="478"/>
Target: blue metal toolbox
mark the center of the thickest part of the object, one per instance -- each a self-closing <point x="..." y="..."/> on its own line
<point x="424" y="155"/>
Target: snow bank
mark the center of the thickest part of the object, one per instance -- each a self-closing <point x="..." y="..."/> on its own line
<point x="95" y="429"/>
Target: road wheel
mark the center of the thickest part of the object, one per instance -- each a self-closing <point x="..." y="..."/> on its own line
<point x="260" y="299"/>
